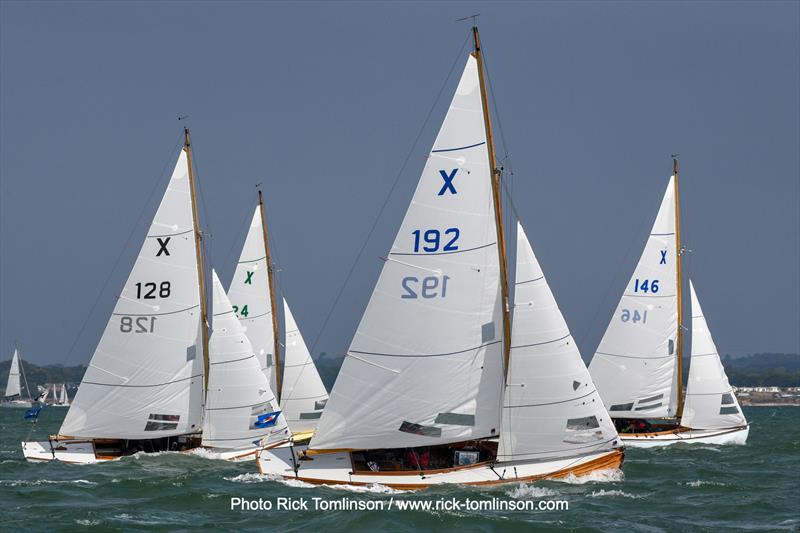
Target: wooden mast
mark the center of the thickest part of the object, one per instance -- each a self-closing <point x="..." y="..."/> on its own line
<point x="198" y="238"/>
<point x="680" y="299"/>
<point x="271" y="288"/>
<point x="498" y="206"/>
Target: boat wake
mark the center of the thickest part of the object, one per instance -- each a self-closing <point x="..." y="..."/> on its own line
<point x="610" y="475"/>
<point x="523" y="491"/>
<point x="600" y="493"/>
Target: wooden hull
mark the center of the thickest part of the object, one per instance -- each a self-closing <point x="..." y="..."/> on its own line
<point x="336" y="469"/>
<point x="686" y="435"/>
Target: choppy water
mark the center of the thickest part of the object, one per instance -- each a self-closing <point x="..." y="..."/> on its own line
<point x="753" y="487"/>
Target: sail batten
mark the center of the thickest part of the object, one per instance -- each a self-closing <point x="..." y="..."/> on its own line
<point x="638" y="355"/>
<point x="427" y="356"/>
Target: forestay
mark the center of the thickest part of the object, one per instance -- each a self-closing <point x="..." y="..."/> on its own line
<point x="241" y="410"/>
<point x="635" y="365"/>
<point x="250" y="295"/>
<point x="145" y="379"/>
<point x="425" y="366"/>
<point x="304" y="395"/>
<point x="552" y="408"/>
<point x="710" y="400"/>
<point x="13" y="387"/>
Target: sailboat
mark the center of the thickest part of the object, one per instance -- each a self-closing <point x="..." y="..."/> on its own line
<point x="13" y="393"/>
<point x="437" y="387"/>
<point x="60" y="397"/>
<point x="638" y="364"/>
<point x="145" y="385"/>
<point x="294" y="377"/>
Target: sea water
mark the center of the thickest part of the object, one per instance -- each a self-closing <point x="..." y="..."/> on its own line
<point x="677" y="488"/>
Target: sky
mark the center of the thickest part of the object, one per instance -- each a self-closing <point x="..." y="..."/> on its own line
<point x="325" y="105"/>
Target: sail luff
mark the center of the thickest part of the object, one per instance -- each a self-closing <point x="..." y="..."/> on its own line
<point x="199" y="248"/>
<point x="498" y="205"/>
<point x="273" y="305"/>
<point x="678" y="254"/>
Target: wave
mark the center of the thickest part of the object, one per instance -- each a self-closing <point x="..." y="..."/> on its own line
<point x="37" y="482"/>
<point x="374" y="488"/>
<point x="609" y="475"/>
<point x="700" y="483"/>
<point x="530" y="491"/>
<point x="602" y="492"/>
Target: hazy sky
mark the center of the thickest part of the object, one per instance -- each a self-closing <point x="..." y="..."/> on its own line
<point x="322" y="102"/>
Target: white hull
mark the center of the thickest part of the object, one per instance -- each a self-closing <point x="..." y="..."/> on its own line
<point x="78" y="452"/>
<point x="17" y="403"/>
<point x="336" y="469"/>
<point x="691" y="436"/>
<point x="83" y="452"/>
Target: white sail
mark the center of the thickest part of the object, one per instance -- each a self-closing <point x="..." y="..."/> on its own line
<point x="145" y="379"/>
<point x="241" y="411"/>
<point x="63" y="398"/>
<point x="13" y="387"/>
<point x="552" y="408"/>
<point x="250" y="295"/>
<point x="303" y="396"/>
<point x="425" y="365"/>
<point x="634" y="367"/>
<point x="710" y="401"/>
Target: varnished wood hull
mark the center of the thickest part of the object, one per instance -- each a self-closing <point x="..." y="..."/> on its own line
<point x="336" y="469"/>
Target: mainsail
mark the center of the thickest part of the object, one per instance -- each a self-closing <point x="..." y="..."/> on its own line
<point x="710" y="401"/>
<point x="13" y="387"/>
<point x="426" y="366"/>
<point x="241" y="411"/>
<point x="635" y="364"/>
<point x="145" y="379"/>
<point x="552" y="408"/>
<point x="250" y="295"/>
<point x="304" y="395"/>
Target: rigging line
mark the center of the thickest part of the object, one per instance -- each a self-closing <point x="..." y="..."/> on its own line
<point x="391" y="191"/>
<point x="134" y="227"/>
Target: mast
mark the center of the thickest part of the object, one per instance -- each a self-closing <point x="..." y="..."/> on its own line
<point x="271" y="288"/>
<point x="680" y="304"/>
<point x="498" y="207"/>
<point x="198" y="238"/>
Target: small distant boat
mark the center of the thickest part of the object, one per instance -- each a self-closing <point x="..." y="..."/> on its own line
<point x="293" y="377"/>
<point x="638" y="364"/>
<point x="60" y="397"/>
<point x="13" y="393"/>
<point x="437" y="386"/>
